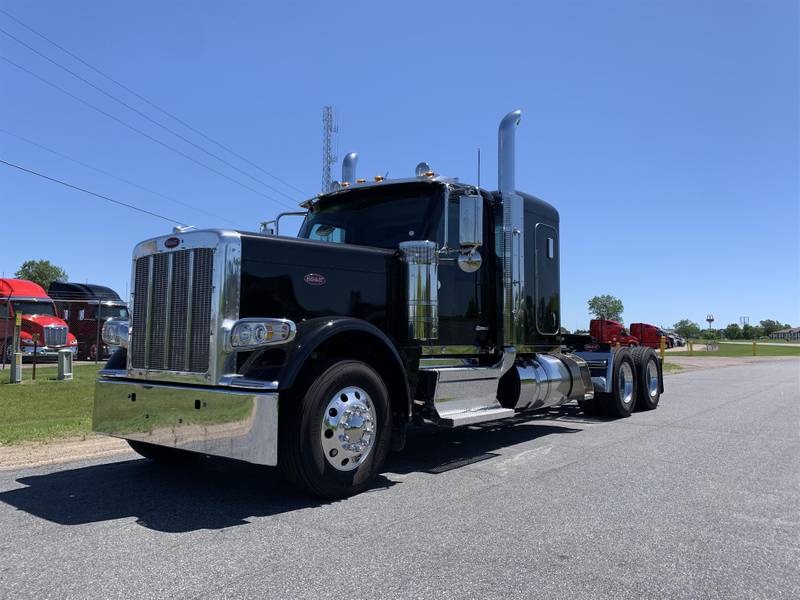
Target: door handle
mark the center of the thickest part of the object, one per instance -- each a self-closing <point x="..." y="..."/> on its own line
<point x="481" y="328"/>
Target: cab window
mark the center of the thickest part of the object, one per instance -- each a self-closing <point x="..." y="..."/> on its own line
<point x="326" y="233"/>
<point x="380" y="216"/>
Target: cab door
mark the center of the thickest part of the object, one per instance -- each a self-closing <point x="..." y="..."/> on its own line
<point x="466" y="300"/>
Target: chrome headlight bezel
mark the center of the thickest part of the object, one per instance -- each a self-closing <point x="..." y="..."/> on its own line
<point x="252" y="333"/>
<point x="115" y="333"/>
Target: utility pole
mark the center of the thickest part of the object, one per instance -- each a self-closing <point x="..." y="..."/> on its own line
<point x="329" y="130"/>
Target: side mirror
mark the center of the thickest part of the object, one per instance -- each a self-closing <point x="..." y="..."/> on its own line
<point x="470" y="232"/>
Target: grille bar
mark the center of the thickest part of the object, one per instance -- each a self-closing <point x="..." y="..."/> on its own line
<point x="187" y="341"/>
<point x="148" y="319"/>
<point x="55" y="335"/>
<point x="168" y="311"/>
<point x="171" y="320"/>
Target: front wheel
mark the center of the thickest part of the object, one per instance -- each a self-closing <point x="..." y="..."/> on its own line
<point x="335" y="435"/>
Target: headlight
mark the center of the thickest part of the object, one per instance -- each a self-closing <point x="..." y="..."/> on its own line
<point x="115" y="333"/>
<point x="254" y="333"/>
<point x="73" y="342"/>
<point x="26" y="341"/>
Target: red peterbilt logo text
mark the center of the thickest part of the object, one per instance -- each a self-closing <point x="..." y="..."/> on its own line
<point x="314" y="279"/>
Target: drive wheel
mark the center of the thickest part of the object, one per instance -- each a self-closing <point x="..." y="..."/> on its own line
<point x="621" y="400"/>
<point x="162" y="454"/>
<point x="334" y="437"/>
<point x="648" y="390"/>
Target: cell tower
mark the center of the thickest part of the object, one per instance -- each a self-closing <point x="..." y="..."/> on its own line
<point x="329" y="130"/>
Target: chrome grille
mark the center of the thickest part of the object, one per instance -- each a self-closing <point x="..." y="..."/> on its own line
<point x="171" y="317"/>
<point x="55" y="335"/>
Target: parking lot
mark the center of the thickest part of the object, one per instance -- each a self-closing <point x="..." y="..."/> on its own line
<point x="700" y="498"/>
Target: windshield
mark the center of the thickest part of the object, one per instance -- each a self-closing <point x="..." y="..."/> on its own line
<point x="113" y="312"/>
<point x="381" y="217"/>
<point x="31" y="307"/>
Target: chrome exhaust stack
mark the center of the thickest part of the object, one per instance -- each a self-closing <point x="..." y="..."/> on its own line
<point x="513" y="233"/>
<point x="349" y="168"/>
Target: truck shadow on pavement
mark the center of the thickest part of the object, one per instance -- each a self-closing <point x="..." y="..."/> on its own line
<point x="215" y="493"/>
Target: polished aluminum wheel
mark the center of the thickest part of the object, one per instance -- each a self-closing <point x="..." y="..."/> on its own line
<point x="626" y="383"/>
<point x="652" y="379"/>
<point x="348" y="428"/>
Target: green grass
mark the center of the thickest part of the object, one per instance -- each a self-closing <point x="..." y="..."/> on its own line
<point x="745" y="350"/>
<point x="671" y="367"/>
<point x="46" y="408"/>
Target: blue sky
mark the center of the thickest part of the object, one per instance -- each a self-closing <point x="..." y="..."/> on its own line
<point x="666" y="133"/>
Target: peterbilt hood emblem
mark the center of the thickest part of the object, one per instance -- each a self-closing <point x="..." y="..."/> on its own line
<point x="171" y="242"/>
<point x="314" y="279"/>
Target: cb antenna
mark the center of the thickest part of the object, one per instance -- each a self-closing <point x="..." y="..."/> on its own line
<point x="479" y="167"/>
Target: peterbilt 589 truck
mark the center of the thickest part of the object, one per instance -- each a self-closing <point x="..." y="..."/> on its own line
<point x="422" y="300"/>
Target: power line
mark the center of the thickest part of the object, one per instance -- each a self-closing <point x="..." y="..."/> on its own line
<point x="140" y="132"/>
<point x="80" y="189"/>
<point x="142" y="114"/>
<point x="153" y="104"/>
<point x="117" y="177"/>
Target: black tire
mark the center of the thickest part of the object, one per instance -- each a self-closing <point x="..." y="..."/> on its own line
<point x="620" y="402"/>
<point x="591" y="407"/>
<point x="302" y="457"/>
<point x="648" y="378"/>
<point x="162" y="454"/>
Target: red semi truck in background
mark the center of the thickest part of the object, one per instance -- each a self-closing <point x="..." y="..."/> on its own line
<point x="650" y="335"/>
<point x="20" y="296"/>
<point x="606" y="331"/>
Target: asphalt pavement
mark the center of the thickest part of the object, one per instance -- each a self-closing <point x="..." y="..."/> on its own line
<point x="697" y="499"/>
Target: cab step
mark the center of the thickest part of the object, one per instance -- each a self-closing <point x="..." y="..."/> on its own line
<point x="470" y="417"/>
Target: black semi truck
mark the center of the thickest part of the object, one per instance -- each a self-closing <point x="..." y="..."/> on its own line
<point x="86" y="307"/>
<point x="422" y="300"/>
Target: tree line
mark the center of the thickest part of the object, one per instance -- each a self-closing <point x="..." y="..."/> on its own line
<point x="733" y="331"/>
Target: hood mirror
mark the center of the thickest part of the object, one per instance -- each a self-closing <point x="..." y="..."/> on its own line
<point x="470" y="232"/>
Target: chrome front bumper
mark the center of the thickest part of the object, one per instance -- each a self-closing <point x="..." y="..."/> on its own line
<point x="240" y="424"/>
<point x="45" y="351"/>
